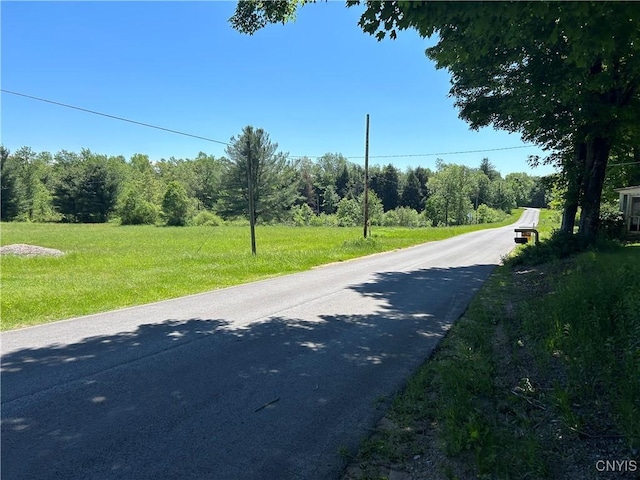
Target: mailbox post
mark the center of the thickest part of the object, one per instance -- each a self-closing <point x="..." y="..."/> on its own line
<point x="524" y="234"/>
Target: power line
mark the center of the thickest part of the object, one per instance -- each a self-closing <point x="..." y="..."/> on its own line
<point x="226" y="143"/>
<point x="429" y="154"/>
<point x="113" y="116"/>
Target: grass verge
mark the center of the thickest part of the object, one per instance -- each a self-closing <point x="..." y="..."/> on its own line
<point x="108" y="266"/>
<point x="539" y="379"/>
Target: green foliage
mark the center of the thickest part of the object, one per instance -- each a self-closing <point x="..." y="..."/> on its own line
<point x="412" y="193"/>
<point x="9" y="195"/>
<point x="324" y="220"/>
<point x="612" y="225"/>
<point x="207" y="219"/>
<point x="559" y="245"/>
<point x="273" y="179"/>
<point x="64" y="188"/>
<point x="403" y="217"/>
<point x="522" y="186"/>
<point x="251" y="16"/>
<point x="351" y="211"/>
<point x="450" y="189"/>
<point x="592" y="321"/>
<point x="176" y="205"/>
<point x="42" y="205"/>
<point x="388" y="187"/>
<point x="486" y="214"/>
<point x="26" y="193"/>
<point x="501" y="196"/>
<point x="135" y="209"/>
<point x="86" y="186"/>
<point x="302" y="215"/>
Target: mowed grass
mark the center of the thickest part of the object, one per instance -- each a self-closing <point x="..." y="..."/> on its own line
<point x="106" y="266"/>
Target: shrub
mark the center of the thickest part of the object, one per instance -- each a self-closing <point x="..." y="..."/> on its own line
<point x="486" y="214"/>
<point x="302" y="215"/>
<point x="175" y="205"/>
<point x="135" y="210"/>
<point x="350" y="212"/>
<point x="611" y="221"/>
<point x="403" y="217"/>
<point x="559" y="245"/>
<point x="324" y="220"/>
<point x="207" y="219"/>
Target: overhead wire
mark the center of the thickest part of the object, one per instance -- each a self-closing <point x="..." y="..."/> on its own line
<point x="144" y="124"/>
<point x="427" y="154"/>
<point x="114" y="117"/>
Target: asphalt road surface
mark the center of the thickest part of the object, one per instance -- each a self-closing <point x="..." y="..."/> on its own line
<point x="268" y="380"/>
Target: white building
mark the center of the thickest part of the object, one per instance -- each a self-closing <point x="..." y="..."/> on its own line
<point x="630" y="208"/>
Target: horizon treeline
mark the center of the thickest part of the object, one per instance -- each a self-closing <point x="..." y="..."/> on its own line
<point x="88" y="187"/>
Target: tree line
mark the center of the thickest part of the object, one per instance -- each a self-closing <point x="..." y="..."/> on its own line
<point x="87" y="187"/>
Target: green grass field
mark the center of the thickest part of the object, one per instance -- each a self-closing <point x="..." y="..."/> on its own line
<point x="106" y="266"/>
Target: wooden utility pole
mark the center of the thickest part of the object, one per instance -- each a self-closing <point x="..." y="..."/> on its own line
<point x="252" y="215"/>
<point x="366" y="180"/>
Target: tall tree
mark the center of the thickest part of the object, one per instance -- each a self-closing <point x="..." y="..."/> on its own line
<point x="450" y="189"/>
<point x="342" y="182"/>
<point x="175" y="205"/>
<point x="389" y="188"/>
<point x="522" y="186"/>
<point x="489" y="169"/>
<point x="254" y="159"/>
<point x="86" y="186"/>
<point x="9" y="195"/>
<point x="412" y="192"/>
<point x="501" y="196"/>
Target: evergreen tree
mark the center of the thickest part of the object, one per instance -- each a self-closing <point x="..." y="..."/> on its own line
<point x="252" y="156"/>
<point x="389" y="188"/>
<point x="86" y="186"/>
<point x="9" y="196"/>
<point x="411" y="193"/>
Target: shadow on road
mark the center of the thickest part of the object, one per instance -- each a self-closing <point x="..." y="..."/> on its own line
<point x="203" y="375"/>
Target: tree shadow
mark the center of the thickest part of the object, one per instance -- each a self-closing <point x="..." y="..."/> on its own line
<point x="203" y="398"/>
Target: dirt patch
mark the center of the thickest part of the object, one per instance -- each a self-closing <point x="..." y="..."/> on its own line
<point x="24" y="250"/>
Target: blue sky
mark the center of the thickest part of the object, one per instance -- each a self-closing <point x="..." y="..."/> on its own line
<point x="181" y="66"/>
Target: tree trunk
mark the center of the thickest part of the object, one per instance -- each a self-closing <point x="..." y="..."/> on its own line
<point x="575" y="174"/>
<point x="596" y="163"/>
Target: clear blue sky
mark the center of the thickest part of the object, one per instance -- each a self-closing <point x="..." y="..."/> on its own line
<point x="181" y="66"/>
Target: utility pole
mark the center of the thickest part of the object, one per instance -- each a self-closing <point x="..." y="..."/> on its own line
<point x="366" y="180"/>
<point x="252" y="216"/>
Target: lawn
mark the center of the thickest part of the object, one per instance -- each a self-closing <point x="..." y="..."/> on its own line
<point x="107" y="266"/>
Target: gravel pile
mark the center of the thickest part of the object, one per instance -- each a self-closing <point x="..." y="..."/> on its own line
<point x="25" y="250"/>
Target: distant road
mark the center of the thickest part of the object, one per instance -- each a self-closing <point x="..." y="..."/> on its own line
<point x="268" y="380"/>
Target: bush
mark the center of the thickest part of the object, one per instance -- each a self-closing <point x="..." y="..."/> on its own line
<point x="302" y="215"/>
<point x="485" y="214"/>
<point x="611" y="221"/>
<point x="135" y="210"/>
<point x="207" y="219"/>
<point x="324" y="220"/>
<point x="350" y="212"/>
<point x="175" y="205"/>
<point x="403" y="217"/>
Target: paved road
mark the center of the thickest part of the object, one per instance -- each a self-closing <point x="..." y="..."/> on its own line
<point x="268" y="380"/>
